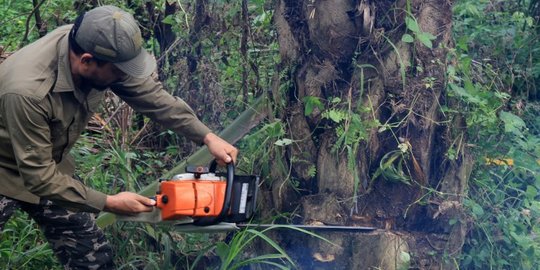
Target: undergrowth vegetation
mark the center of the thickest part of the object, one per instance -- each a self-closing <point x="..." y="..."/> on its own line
<point x="495" y="81"/>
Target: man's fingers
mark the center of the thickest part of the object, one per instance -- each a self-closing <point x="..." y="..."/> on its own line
<point x="231" y="154"/>
<point x="147" y="204"/>
<point x="234" y="154"/>
<point x="223" y="151"/>
<point x="128" y="203"/>
<point x="146" y="201"/>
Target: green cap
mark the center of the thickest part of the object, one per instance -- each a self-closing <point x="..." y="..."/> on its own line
<point x="111" y="34"/>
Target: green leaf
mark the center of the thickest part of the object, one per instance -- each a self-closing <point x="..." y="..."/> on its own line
<point x="168" y="20"/>
<point x="336" y="100"/>
<point x="407" y="38"/>
<point x="275" y="129"/>
<point x="283" y="142"/>
<point x="521" y="240"/>
<point x="425" y="38"/>
<point x="310" y="103"/>
<point x="477" y="210"/>
<point x="429" y="36"/>
<point x="335" y="115"/>
<point x="465" y="94"/>
<point x="512" y="123"/>
<point x="405" y="259"/>
<point x="222" y="249"/>
<point x="312" y="171"/>
<point x="531" y="192"/>
<point x="412" y="24"/>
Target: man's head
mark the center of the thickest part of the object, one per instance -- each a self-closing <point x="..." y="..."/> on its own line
<point x="108" y="39"/>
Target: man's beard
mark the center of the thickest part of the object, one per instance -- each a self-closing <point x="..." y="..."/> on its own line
<point x="87" y="84"/>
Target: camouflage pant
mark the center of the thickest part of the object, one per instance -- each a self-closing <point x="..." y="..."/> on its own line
<point x="74" y="236"/>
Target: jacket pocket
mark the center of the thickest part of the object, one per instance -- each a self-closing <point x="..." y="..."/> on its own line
<point x="59" y="139"/>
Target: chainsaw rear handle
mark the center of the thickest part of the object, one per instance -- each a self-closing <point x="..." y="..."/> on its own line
<point x="227" y="198"/>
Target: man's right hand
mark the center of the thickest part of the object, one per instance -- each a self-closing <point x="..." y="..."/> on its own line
<point x="128" y="203"/>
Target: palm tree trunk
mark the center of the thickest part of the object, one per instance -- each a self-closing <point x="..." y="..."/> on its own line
<point x="377" y="135"/>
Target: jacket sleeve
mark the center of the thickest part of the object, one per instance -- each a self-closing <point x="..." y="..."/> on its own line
<point x="148" y="97"/>
<point x="26" y="122"/>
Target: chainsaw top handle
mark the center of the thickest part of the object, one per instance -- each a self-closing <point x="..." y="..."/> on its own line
<point x="227" y="198"/>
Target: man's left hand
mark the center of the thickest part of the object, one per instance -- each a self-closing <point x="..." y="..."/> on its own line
<point x="223" y="151"/>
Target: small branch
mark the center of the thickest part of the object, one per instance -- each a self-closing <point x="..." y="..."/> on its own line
<point x="27" y="31"/>
<point x="243" y="49"/>
<point x="39" y="22"/>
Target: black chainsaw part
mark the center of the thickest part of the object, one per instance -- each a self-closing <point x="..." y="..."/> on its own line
<point x="240" y="196"/>
<point x="244" y="198"/>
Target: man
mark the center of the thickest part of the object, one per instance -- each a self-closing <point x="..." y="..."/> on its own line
<point x="48" y="92"/>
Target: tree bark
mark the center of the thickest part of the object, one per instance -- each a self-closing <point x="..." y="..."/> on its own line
<point x="392" y="171"/>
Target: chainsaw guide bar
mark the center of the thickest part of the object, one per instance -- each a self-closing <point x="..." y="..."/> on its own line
<point x="329" y="228"/>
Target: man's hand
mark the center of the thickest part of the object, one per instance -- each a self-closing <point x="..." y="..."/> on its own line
<point x="128" y="203"/>
<point x="223" y="151"/>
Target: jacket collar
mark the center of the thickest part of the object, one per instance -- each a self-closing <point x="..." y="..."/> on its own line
<point x="64" y="80"/>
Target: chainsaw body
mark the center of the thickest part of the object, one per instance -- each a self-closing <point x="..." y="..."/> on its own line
<point x="186" y="195"/>
<point x="203" y="197"/>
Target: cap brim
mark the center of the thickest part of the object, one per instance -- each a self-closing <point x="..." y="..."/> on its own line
<point x="141" y="66"/>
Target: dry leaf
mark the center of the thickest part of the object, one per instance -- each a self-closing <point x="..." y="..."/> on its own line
<point x="315" y="223"/>
<point x="324" y="258"/>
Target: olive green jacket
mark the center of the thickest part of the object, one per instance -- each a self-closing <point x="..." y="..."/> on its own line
<point x="42" y="114"/>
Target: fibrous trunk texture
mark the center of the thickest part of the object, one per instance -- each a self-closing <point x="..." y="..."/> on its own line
<point x="383" y="163"/>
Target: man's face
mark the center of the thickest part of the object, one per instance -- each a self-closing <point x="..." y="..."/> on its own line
<point x="102" y="77"/>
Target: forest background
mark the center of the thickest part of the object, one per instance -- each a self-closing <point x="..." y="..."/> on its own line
<point x="224" y="57"/>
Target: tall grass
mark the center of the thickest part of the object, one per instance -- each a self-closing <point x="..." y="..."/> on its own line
<point x="22" y="245"/>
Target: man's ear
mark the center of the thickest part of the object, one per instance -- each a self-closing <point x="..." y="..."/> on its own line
<point x="86" y="58"/>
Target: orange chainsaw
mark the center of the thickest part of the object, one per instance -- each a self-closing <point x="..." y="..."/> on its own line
<point x="203" y="200"/>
